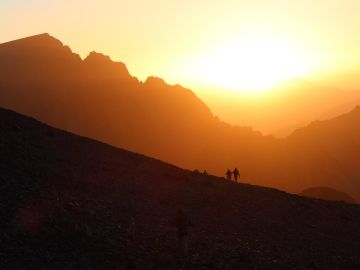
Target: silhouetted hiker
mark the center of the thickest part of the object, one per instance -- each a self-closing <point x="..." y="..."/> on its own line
<point x="236" y="174"/>
<point x="182" y="224"/>
<point x="228" y="174"/>
<point x="205" y="172"/>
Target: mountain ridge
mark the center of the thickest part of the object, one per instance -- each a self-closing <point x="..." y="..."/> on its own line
<point x="168" y="122"/>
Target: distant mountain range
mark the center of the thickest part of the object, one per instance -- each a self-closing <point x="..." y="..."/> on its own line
<point x="98" y="98"/>
<point x="286" y="107"/>
<point x="327" y="193"/>
<point x="68" y="202"/>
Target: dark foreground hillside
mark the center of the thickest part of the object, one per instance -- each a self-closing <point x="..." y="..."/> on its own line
<point x="68" y="202"/>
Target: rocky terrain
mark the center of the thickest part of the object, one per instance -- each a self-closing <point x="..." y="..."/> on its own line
<point x="68" y="202"/>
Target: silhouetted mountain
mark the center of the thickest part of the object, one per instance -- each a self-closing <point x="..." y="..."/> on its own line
<point x="333" y="112"/>
<point x="333" y="145"/>
<point x="302" y="102"/>
<point x="98" y="98"/>
<point x="327" y="193"/>
<point x="68" y="202"/>
<point x="285" y="108"/>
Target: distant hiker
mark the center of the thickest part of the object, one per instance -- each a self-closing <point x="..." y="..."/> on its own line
<point x="205" y="173"/>
<point x="236" y="174"/>
<point x="228" y="174"/>
<point x="182" y="224"/>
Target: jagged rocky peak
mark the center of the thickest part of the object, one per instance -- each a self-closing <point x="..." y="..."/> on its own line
<point x="156" y="82"/>
<point x="37" y="47"/>
<point x="153" y="81"/>
<point x="95" y="57"/>
<point x="103" y="64"/>
<point x="41" y="40"/>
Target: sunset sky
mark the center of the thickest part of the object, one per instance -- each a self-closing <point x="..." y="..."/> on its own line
<point x="212" y="47"/>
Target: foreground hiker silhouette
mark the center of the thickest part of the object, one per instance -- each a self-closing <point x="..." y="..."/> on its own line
<point x="228" y="174"/>
<point x="236" y="174"/>
<point x="182" y="224"/>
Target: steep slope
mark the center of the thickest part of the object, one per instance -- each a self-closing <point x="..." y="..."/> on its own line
<point x="98" y="98"/>
<point x="327" y="193"/>
<point x="72" y="203"/>
<point x="336" y="143"/>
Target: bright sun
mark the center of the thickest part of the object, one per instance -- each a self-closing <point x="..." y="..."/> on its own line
<point x="253" y="65"/>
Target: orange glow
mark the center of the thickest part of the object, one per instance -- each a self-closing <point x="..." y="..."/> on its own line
<point x="234" y="55"/>
<point x="253" y="65"/>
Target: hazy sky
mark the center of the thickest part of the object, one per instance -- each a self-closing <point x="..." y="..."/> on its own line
<point x="176" y="39"/>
